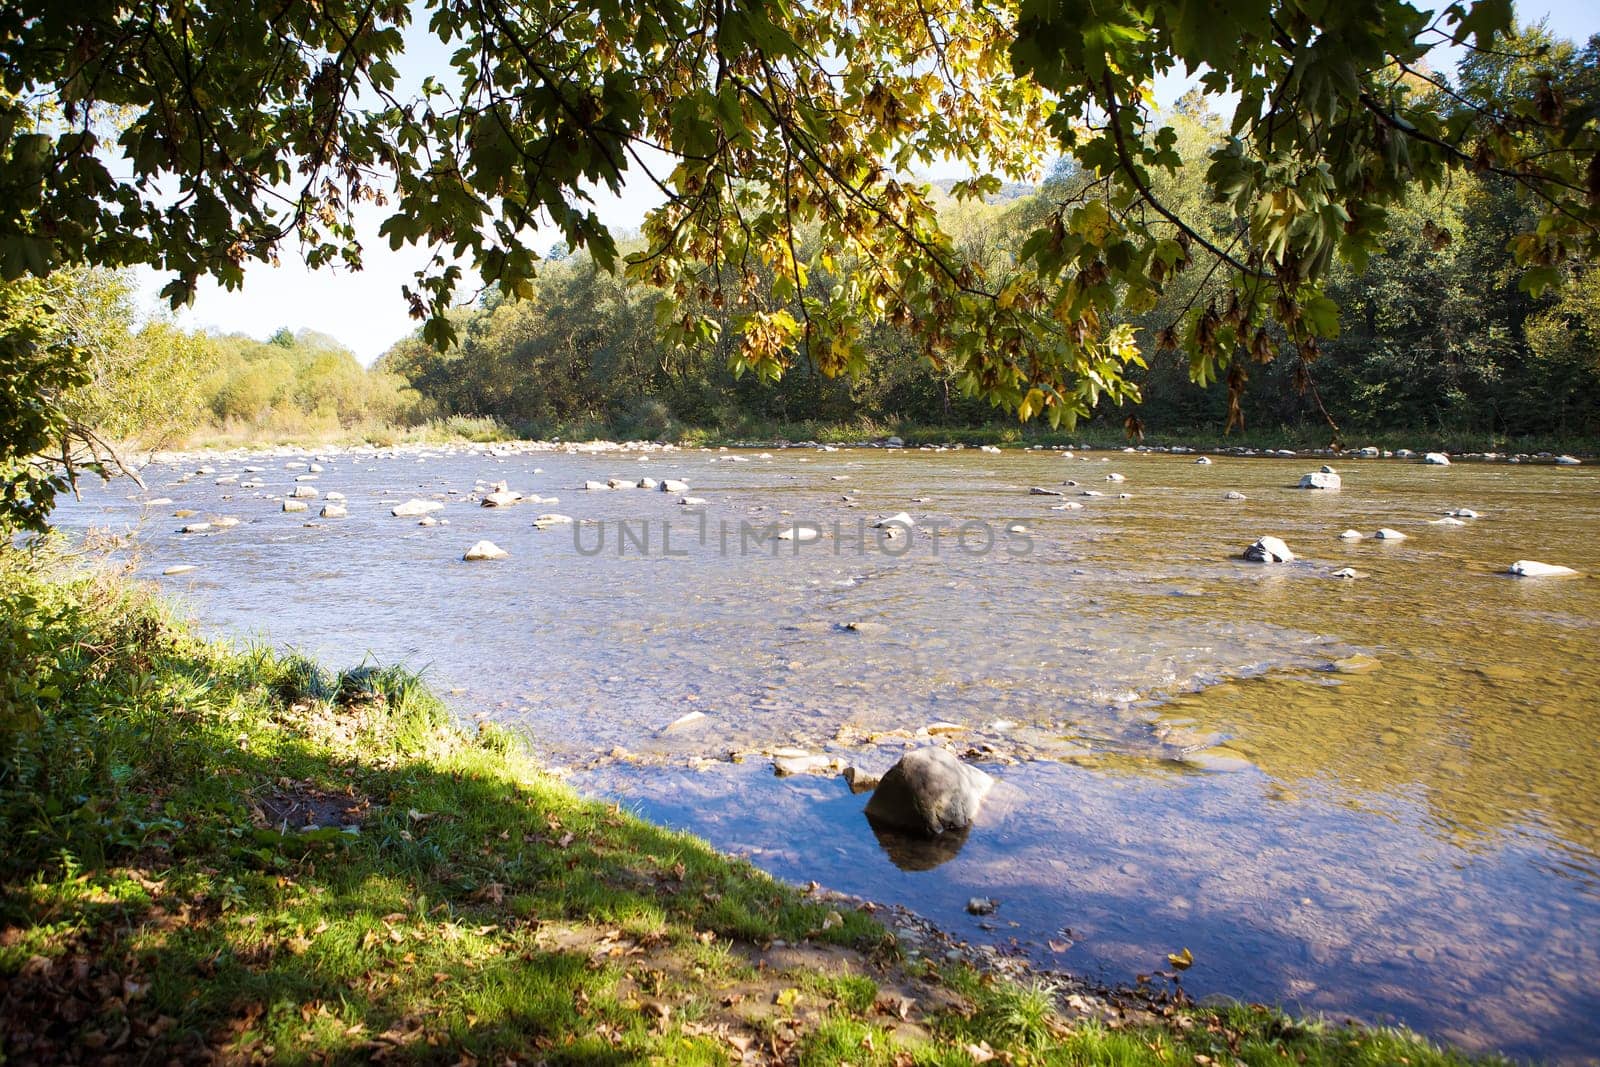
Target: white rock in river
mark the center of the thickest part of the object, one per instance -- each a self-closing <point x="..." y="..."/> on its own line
<point x="784" y="766"/>
<point x="596" y="487"/>
<point x="1115" y="477"/>
<point x="1234" y="494"/>
<point x="1269" y="550"/>
<point x="485" y="550"/>
<point x="1531" y="568"/>
<point x="1387" y="534"/>
<point x="619" y="483"/>
<point x="334" y="494"/>
<point x="544" y="522"/>
<point x="332" y="510"/>
<point x="196" y="527"/>
<point x="859" y="779"/>
<point x="691" y="501"/>
<point x="1448" y="520"/>
<point x="673" y="485"/>
<point x="684" y="721"/>
<point x="180" y="568"/>
<point x="415" y="507"/>
<point x="1071" y="505"/>
<point x="427" y="520"/>
<point x="1204" y="461"/>
<point x="648" y="483"/>
<point x="295" y="505"/>
<point x="899" y="518"/>
<point x="929" y="791"/>
<point x="1462" y="513"/>
<point x="501" y="498"/>
<point x="1037" y="491"/>
<point x="226" y="522"/>
<point x="1345" y="572"/>
<point x="304" y="492"/>
<point x="1322" y="479"/>
<point x="798" y="533"/>
<point x="1352" y="535"/>
<point x="1568" y="461"/>
<point x="1017" y="529"/>
<point x="1436" y="459"/>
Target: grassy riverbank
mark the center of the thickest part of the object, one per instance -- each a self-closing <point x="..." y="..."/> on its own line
<point x="213" y="853"/>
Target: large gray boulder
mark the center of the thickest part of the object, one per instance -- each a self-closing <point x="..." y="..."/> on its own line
<point x="928" y="792"/>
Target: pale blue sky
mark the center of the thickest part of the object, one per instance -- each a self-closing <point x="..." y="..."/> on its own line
<point x="365" y="311"/>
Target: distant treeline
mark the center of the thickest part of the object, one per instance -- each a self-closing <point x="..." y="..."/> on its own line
<point x="154" y="383"/>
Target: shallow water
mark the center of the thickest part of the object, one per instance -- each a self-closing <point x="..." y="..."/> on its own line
<point x="1411" y="836"/>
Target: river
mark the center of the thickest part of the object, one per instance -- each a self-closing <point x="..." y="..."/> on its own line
<point x="1375" y="797"/>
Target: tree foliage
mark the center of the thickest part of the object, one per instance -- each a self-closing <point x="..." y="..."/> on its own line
<point x="294" y="382"/>
<point x="38" y="365"/>
<point x="244" y="124"/>
<point x="1439" y="344"/>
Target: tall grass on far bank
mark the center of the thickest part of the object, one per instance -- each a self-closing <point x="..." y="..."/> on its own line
<point x="311" y="432"/>
<point x="214" y="854"/>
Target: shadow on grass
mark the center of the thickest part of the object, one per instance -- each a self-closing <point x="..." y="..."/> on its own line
<point x="240" y="876"/>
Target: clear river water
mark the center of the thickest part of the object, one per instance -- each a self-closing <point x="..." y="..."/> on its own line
<point x="1375" y="798"/>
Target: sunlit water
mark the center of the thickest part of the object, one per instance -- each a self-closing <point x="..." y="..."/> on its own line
<point x="1413" y="841"/>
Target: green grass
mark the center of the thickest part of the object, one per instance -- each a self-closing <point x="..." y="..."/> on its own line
<point x="213" y="852"/>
